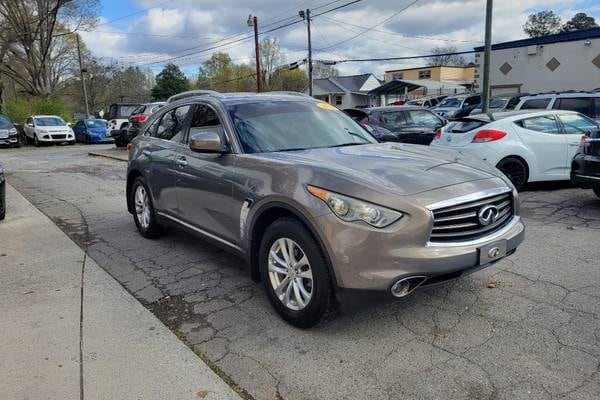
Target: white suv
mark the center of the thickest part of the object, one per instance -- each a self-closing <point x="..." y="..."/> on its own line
<point x="48" y="129"/>
<point x="586" y="103"/>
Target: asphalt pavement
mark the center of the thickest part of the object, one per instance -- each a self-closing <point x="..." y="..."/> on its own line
<point x="526" y="328"/>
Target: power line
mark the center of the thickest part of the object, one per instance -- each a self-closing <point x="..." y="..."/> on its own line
<point x="456" y="53"/>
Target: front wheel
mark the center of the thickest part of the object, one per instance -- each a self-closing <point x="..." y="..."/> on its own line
<point x="143" y="215"/>
<point x="516" y="170"/>
<point x="295" y="274"/>
<point x="36" y="142"/>
<point x="597" y="190"/>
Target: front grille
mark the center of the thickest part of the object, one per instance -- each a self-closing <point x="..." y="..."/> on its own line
<point x="467" y="221"/>
<point x="58" y="136"/>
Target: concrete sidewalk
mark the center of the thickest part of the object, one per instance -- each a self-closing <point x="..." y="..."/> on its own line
<point x="68" y="330"/>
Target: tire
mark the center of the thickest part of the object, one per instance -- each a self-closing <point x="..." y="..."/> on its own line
<point x="516" y="170"/>
<point x="36" y="142"/>
<point x="147" y="225"/>
<point x="119" y="142"/>
<point x="597" y="190"/>
<point x="320" y="305"/>
<point x="72" y="143"/>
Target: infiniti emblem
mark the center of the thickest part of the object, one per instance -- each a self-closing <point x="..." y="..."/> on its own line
<point x="494" y="252"/>
<point x="488" y="215"/>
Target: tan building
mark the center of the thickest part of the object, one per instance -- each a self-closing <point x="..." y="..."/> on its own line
<point x="463" y="75"/>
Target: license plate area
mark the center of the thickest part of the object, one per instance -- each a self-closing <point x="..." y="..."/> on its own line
<point x="492" y="252"/>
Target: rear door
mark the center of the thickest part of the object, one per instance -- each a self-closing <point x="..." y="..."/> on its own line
<point x="544" y="139"/>
<point x="582" y="105"/>
<point x="574" y="127"/>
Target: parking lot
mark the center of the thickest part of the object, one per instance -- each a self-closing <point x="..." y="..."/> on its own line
<point x="526" y="328"/>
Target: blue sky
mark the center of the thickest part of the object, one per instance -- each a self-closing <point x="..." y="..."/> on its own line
<point x="162" y="29"/>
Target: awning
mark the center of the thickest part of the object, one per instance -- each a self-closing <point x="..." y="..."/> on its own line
<point x="400" y="86"/>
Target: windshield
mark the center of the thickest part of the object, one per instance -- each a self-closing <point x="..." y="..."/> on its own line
<point x="415" y="102"/>
<point x="268" y="126"/>
<point x="5" y="123"/>
<point x="498" y="102"/>
<point x="95" y="123"/>
<point x="451" y="102"/>
<point x="49" y="121"/>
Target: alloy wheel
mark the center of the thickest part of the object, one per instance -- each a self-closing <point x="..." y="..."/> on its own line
<point x="515" y="171"/>
<point x="290" y="274"/>
<point x="142" y="206"/>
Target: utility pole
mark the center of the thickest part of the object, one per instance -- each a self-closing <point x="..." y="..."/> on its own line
<point x="486" y="57"/>
<point x="253" y="21"/>
<point x="81" y="71"/>
<point x="305" y="15"/>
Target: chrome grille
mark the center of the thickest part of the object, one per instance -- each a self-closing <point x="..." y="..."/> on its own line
<point x="467" y="221"/>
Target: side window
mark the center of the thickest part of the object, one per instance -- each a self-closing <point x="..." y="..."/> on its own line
<point x="596" y="108"/>
<point x="205" y="119"/>
<point x="512" y="103"/>
<point x="535" y="104"/>
<point x="171" y="124"/>
<point x="424" y="118"/>
<point x="582" y="105"/>
<point x="576" y="124"/>
<point x="471" y="101"/>
<point x="545" y="124"/>
<point x="29" y="121"/>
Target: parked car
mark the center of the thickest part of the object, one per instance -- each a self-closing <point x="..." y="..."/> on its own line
<point x="451" y="105"/>
<point x="501" y="102"/>
<point x="48" y="129"/>
<point x="118" y="120"/>
<point x="92" y="130"/>
<point x="427" y="102"/>
<point x="2" y="194"/>
<point x="8" y="133"/>
<point x="586" y="103"/>
<point x="139" y="116"/>
<point x="406" y="124"/>
<point x="585" y="167"/>
<point x="526" y="146"/>
<point x="320" y="211"/>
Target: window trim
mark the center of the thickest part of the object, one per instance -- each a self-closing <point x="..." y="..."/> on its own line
<point x="559" y="129"/>
<point x="195" y="105"/>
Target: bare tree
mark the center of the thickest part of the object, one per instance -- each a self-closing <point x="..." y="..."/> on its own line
<point x="321" y="70"/>
<point x="444" y="56"/>
<point x="31" y="53"/>
<point x="270" y="59"/>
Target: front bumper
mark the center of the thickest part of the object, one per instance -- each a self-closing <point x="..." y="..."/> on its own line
<point x="585" y="171"/>
<point x="9" y="141"/>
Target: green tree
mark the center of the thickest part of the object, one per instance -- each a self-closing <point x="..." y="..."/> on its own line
<point x="578" y="22"/>
<point x="221" y="74"/>
<point x="290" y="80"/>
<point x="542" y="23"/>
<point x="170" y="81"/>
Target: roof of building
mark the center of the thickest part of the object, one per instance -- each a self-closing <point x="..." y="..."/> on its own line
<point x="556" y="38"/>
<point x="341" y="84"/>
<point x="429" y="67"/>
<point x="397" y="86"/>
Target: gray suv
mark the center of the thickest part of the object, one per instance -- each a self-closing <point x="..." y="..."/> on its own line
<point x="323" y="214"/>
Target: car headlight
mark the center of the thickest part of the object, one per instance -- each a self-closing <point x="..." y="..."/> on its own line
<point x="353" y="210"/>
<point x="12" y="131"/>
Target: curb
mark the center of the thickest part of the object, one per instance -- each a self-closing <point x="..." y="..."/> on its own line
<point x="110" y="156"/>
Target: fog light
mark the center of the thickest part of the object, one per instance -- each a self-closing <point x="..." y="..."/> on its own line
<point x="46" y="137"/>
<point x="401" y="288"/>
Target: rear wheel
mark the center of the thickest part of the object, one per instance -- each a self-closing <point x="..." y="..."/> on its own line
<point x="295" y="274"/>
<point x="143" y="210"/>
<point x="515" y="169"/>
<point x="597" y="190"/>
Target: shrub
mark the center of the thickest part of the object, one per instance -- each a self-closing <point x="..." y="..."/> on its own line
<point x="20" y="108"/>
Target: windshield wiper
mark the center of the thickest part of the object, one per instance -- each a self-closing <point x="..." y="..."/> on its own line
<point x="347" y="144"/>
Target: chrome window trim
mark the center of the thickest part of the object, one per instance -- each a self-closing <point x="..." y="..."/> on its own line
<point x="200" y="231"/>
<point x="482" y="240"/>
<point x="468" y="198"/>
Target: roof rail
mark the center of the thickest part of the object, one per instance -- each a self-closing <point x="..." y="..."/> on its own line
<point x="191" y="93"/>
<point x="288" y="92"/>
<point x="558" y="92"/>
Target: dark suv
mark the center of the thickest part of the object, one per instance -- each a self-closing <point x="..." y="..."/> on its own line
<point x="585" y="167"/>
<point x="320" y="211"/>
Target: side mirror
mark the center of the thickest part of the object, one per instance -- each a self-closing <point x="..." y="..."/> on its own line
<point x="207" y="142"/>
<point x="30" y="124"/>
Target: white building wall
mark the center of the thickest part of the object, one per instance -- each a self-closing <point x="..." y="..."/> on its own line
<point x="529" y="71"/>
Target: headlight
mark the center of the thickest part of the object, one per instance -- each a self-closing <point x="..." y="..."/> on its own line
<point x="354" y="210"/>
<point x="12" y="131"/>
<point x="451" y="113"/>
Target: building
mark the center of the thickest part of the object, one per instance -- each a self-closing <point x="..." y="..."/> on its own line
<point x="564" y="61"/>
<point x="346" y="91"/>
<point x="440" y="73"/>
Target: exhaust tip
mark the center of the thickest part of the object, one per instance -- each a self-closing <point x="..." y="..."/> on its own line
<point x="405" y="286"/>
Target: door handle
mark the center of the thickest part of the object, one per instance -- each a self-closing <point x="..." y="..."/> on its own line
<point x="181" y="161"/>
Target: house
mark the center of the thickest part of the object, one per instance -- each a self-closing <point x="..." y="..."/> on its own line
<point x="439" y="73"/>
<point x="346" y="91"/>
<point x="564" y="61"/>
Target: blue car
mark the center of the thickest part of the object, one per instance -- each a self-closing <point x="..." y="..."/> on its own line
<point x="92" y="131"/>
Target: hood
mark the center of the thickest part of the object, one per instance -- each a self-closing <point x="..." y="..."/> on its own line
<point x="396" y="168"/>
<point x="55" y="129"/>
<point x="97" y="131"/>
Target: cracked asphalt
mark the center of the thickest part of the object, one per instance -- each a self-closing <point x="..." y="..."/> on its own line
<point x="526" y="328"/>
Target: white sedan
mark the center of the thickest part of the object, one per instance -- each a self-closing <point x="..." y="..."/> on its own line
<point x="525" y="146"/>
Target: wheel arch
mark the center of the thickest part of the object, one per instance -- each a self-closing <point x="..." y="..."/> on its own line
<point x="131" y="175"/>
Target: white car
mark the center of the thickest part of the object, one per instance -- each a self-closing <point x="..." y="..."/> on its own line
<point x="525" y="146"/>
<point x="48" y="129"/>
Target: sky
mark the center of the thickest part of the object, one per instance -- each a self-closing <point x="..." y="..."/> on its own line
<point x="149" y="33"/>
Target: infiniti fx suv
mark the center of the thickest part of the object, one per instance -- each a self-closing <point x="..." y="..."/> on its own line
<point x="322" y="213"/>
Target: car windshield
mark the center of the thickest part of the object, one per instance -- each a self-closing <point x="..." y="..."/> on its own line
<point x="269" y="126"/>
<point x="49" y="121"/>
<point x="95" y="123"/>
<point x="415" y="102"/>
<point x="498" y="102"/>
<point x="5" y="123"/>
<point x="451" y="102"/>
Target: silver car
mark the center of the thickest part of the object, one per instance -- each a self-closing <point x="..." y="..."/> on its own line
<point x="323" y="215"/>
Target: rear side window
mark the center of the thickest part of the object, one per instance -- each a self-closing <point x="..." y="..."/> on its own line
<point x="171" y="124"/>
<point x="393" y="119"/>
<point x="424" y="118"/>
<point x="581" y="105"/>
<point x="535" y="104"/>
<point x="471" y="101"/>
<point x="544" y="123"/>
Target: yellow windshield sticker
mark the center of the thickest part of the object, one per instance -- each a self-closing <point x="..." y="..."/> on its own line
<point x="326" y="106"/>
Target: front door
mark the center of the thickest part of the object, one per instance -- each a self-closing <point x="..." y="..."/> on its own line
<point x="205" y="183"/>
<point x="575" y="126"/>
